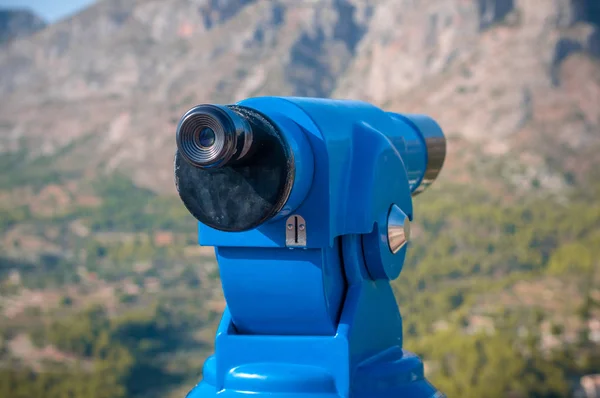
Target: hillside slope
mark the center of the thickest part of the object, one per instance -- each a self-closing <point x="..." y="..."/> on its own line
<point x="502" y="76"/>
<point x="519" y="80"/>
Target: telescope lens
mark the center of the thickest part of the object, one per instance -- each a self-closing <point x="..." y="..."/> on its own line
<point x="206" y="137"/>
<point x="212" y="135"/>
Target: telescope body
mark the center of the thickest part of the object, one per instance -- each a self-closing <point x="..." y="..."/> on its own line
<point x="308" y="204"/>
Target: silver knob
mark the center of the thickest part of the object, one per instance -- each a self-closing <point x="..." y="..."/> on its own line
<point x="398" y="229"/>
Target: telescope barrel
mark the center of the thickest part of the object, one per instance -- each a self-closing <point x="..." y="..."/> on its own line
<point x="235" y="167"/>
<point x="422" y="146"/>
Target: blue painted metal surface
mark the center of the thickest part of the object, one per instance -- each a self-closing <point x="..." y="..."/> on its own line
<point x="322" y="321"/>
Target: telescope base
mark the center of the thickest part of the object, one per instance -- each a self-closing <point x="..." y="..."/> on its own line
<point x="386" y="377"/>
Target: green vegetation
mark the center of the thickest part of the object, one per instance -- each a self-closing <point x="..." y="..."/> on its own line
<point x="11" y="217"/>
<point x="21" y="169"/>
<point x="467" y="253"/>
<point x="59" y="384"/>
<point x="118" y="357"/>
<point x="471" y="249"/>
<point x="50" y="271"/>
<point x="472" y="262"/>
<point x="126" y="224"/>
<point x="142" y="211"/>
<point x="491" y="366"/>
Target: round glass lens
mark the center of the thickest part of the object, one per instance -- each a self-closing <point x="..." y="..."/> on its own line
<point x="206" y="138"/>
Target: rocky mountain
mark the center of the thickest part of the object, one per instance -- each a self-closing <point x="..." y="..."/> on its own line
<point x="513" y="82"/>
<point x="18" y="23"/>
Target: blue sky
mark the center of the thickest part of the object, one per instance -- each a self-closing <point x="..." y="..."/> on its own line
<point x="50" y="10"/>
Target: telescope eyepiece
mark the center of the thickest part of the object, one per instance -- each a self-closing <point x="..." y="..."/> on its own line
<point x="210" y="136"/>
<point x="234" y="168"/>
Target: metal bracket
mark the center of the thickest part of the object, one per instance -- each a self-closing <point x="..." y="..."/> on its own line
<point x="295" y="231"/>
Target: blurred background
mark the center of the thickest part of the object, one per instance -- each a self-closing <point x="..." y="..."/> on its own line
<point x="104" y="292"/>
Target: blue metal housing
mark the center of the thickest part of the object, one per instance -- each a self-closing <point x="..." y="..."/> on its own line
<point x="322" y="321"/>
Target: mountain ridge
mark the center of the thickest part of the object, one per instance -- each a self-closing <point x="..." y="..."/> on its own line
<point x="18" y="23"/>
<point x="502" y="76"/>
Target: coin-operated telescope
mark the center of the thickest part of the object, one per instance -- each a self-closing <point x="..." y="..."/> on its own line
<point x="308" y="204"/>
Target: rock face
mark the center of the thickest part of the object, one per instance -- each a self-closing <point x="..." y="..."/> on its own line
<point x="18" y="23"/>
<point x="506" y="78"/>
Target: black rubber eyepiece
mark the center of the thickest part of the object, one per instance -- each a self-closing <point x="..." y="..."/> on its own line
<point x="239" y="179"/>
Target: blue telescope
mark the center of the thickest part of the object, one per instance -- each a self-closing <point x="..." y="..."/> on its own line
<point x="308" y="204"/>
